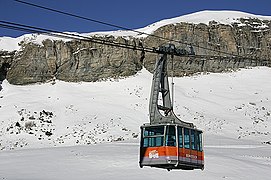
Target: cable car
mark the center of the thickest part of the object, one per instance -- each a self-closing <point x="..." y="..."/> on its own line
<point x="168" y="142"/>
<point x="171" y="146"/>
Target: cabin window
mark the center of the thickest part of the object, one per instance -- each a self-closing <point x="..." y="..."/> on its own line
<point x="186" y="138"/>
<point x="199" y="141"/>
<point x="154" y="131"/>
<point x="153" y="136"/>
<point x="153" y="141"/>
<point x="180" y="136"/>
<point x="193" y="139"/>
<point x="171" y="136"/>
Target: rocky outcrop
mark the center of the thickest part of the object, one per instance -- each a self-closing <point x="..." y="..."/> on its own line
<point x="71" y="61"/>
<point x="247" y="44"/>
<point x="5" y="63"/>
<point x="87" y="61"/>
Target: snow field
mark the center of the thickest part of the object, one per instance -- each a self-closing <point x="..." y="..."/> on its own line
<point x="95" y="127"/>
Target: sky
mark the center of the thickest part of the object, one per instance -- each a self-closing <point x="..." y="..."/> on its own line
<point x="129" y="14"/>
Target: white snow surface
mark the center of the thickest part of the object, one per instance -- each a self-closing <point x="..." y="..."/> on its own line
<point x="222" y="16"/>
<point x="94" y="127"/>
<point x="12" y="44"/>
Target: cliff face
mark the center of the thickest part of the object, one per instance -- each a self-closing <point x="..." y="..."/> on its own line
<point x="251" y="38"/>
<point x="71" y="61"/>
<point x="6" y="59"/>
<point x="87" y="61"/>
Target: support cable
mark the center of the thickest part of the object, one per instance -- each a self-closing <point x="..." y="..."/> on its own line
<point x="124" y="28"/>
<point x="140" y="47"/>
<point x="49" y="32"/>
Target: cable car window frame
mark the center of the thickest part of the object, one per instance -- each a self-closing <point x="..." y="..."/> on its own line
<point x="180" y="136"/>
<point x="151" y="140"/>
<point x="199" y="143"/>
<point x="193" y="135"/>
<point x="187" y="141"/>
<point x="170" y="135"/>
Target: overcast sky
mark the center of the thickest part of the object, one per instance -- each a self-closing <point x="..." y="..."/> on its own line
<point x="126" y="13"/>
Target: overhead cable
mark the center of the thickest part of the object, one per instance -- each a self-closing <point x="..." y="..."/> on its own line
<point x="125" y="28"/>
<point x="49" y="32"/>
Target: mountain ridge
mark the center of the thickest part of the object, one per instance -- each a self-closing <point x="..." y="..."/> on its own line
<point x="205" y="16"/>
<point x="246" y="43"/>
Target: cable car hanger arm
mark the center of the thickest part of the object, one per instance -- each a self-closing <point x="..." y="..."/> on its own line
<point x="160" y="86"/>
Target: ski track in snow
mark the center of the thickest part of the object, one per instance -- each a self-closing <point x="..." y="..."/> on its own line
<point x="90" y="130"/>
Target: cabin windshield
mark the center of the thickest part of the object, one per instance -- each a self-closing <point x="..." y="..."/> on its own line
<point x="199" y="141"/>
<point x="153" y="136"/>
<point x="171" y="136"/>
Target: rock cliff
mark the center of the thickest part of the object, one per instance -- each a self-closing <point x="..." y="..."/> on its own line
<point x="88" y="61"/>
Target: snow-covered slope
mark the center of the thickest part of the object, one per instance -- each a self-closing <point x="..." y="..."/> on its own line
<point x="12" y="44"/>
<point x="119" y="161"/>
<point x="224" y="17"/>
<point x="233" y="109"/>
<point x="231" y="105"/>
<point x="75" y="113"/>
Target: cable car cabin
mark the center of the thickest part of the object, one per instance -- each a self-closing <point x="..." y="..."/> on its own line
<point x="171" y="146"/>
<point x="168" y="142"/>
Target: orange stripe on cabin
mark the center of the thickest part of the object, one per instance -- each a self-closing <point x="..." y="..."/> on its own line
<point x="172" y="151"/>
